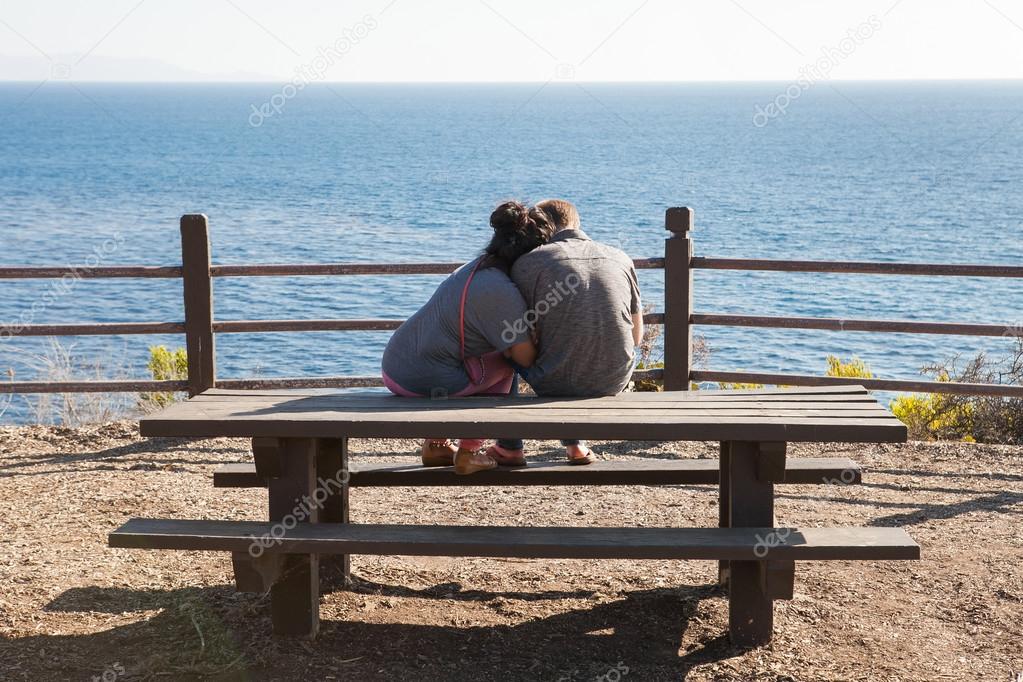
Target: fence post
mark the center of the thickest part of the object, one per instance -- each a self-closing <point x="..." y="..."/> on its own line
<point x="198" y="286"/>
<point x="678" y="299"/>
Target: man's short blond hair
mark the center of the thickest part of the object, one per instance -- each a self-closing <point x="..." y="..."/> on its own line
<point x="563" y="214"/>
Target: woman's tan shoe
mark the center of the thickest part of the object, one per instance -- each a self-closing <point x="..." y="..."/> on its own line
<point x="580" y="455"/>
<point x="470" y="462"/>
<point x="438" y="453"/>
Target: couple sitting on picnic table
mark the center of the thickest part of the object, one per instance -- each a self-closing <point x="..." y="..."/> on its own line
<point x="543" y="300"/>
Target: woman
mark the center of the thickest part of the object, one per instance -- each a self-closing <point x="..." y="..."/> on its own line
<point x="456" y="344"/>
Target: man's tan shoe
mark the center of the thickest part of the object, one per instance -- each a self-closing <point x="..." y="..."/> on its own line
<point x="470" y="462"/>
<point x="580" y="455"/>
<point x="505" y="457"/>
<point x="438" y="453"/>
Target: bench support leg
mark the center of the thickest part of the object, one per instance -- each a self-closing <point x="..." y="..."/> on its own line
<point x="252" y="574"/>
<point x="295" y="597"/>
<point x="750" y="608"/>
<point x="332" y="466"/>
<point x="724" y="504"/>
<point x="778" y="579"/>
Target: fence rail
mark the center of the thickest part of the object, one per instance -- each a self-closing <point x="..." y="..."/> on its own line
<point x="129" y="386"/>
<point x="678" y="319"/>
<point x="254" y="326"/>
<point x="99" y="329"/>
<point x="233" y="384"/>
<point x="839" y="325"/>
<point x="99" y="272"/>
<point x="343" y="269"/>
<point x="348" y="382"/>
<point x="359" y="269"/>
<point x="261" y="270"/>
<point x="1005" y="391"/>
<point x="225" y="327"/>
<point x="858" y="267"/>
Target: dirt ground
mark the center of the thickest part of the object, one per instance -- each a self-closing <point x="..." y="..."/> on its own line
<point x="71" y="608"/>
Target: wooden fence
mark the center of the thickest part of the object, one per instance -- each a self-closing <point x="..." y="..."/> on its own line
<point x="679" y="319"/>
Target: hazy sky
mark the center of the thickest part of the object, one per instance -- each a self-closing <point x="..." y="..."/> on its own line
<point x="506" y="40"/>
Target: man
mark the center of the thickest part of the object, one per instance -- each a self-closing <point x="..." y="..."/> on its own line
<point x="585" y="311"/>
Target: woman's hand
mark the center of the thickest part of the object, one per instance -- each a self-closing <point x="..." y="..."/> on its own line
<point x="522" y="354"/>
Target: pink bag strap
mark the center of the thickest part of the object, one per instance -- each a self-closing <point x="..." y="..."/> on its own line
<point x="461" y="307"/>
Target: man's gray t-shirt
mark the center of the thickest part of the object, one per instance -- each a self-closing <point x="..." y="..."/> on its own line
<point x="424" y="354"/>
<point x="581" y="296"/>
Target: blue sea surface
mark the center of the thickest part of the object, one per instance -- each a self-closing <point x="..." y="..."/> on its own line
<point x="920" y="172"/>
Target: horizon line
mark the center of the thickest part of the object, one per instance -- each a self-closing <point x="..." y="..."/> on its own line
<point x="512" y="82"/>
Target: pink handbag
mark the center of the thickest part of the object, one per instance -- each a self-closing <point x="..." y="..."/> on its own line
<point x="485" y="369"/>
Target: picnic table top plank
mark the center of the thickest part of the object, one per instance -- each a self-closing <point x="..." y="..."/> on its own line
<point x="459" y="417"/>
<point x="629" y="416"/>
<point x="391" y="404"/>
<point x="415" y="409"/>
<point x="786" y="393"/>
<point x="678" y="399"/>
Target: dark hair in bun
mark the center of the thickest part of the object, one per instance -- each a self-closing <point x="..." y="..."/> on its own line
<point x="518" y="229"/>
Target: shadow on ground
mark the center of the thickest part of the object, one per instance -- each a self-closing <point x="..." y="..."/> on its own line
<point x="215" y="633"/>
<point x="155" y="446"/>
<point x="1000" y="503"/>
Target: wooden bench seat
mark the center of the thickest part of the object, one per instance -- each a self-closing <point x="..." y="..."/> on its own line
<point x="735" y="544"/>
<point x="814" y="470"/>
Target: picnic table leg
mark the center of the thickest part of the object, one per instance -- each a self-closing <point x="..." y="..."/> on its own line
<point x="332" y="466"/>
<point x="295" y="597"/>
<point x="724" y="504"/>
<point x="750" y="608"/>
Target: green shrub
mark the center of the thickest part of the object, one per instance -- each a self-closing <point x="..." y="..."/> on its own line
<point x="928" y="416"/>
<point x="164" y="365"/>
<point x="854" y="369"/>
<point x="648" y="385"/>
<point x="935" y="416"/>
<point x="982" y="419"/>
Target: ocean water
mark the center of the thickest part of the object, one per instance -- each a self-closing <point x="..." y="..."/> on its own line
<point x="924" y="172"/>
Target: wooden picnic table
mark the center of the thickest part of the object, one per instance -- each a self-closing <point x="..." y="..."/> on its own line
<point x="300" y="440"/>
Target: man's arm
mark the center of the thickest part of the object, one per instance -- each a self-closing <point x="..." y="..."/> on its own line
<point x="636" y="306"/>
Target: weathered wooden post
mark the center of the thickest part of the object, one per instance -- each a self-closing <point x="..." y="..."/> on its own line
<point x="678" y="299"/>
<point x="198" y="286"/>
<point x="332" y="465"/>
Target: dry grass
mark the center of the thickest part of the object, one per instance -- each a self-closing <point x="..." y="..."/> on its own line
<point x="60" y="363"/>
<point x="72" y="609"/>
